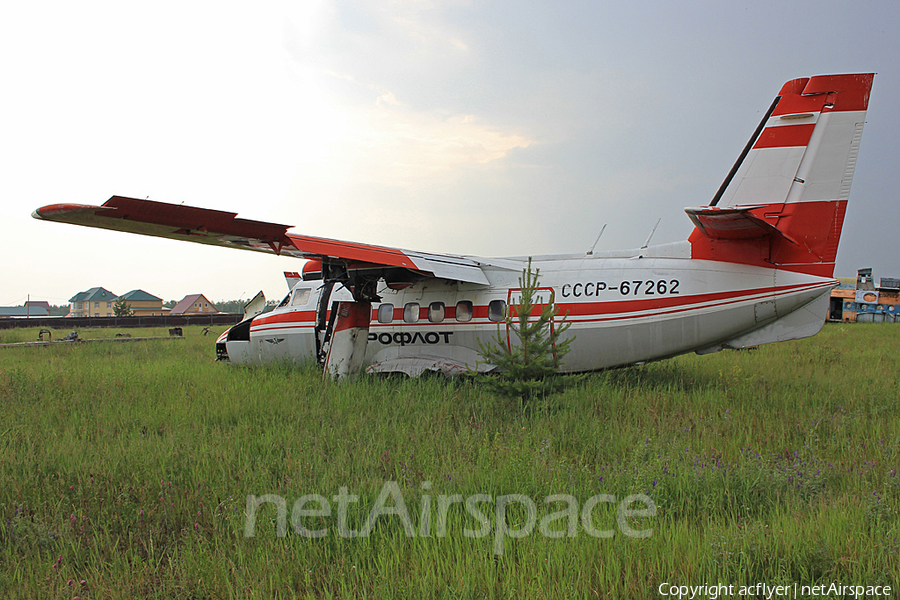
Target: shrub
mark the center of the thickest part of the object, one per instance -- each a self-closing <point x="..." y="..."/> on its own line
<point x="527" y="355"/>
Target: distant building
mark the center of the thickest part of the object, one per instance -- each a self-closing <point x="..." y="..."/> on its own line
<point x="95" y="302"/>
<point x="142" y="304"/>
<point x="23" y="312"/>
<point x="864" y="302"/>
<point x="38" y="304"/>
<point x="194" y="304"/>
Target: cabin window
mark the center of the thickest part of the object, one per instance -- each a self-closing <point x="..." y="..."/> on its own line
<point x="497" y="310"/>
<point x="385" y="313"/>
<point x="411" y="312"/>
<point x="464" y="311"/>
<point x="436" y="312"/>
<point x="301" y="297"/>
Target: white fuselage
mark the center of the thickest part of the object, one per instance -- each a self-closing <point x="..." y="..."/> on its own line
<point x="641" y="306"/>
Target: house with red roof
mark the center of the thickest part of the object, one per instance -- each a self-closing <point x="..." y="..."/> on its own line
<point x="194" y="304"/>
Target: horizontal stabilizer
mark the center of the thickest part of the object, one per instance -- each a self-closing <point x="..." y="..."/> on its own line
<point x="732" y="223"/>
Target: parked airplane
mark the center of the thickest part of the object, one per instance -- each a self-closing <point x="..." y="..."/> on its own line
<point x="756" y="269"/>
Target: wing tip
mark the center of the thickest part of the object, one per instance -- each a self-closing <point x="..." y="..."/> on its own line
<point x="52" y="211"/>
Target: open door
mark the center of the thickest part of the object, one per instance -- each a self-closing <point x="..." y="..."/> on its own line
<point x="255" y="307"/>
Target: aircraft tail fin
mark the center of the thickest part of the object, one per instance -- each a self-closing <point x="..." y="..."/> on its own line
<point x="783" y="203"/>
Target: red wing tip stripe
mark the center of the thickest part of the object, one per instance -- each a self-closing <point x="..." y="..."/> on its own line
<point x="52" y="210"/>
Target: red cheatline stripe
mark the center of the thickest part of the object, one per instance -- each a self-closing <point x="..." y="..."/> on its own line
<point x="611" y="310"/>
<point x="785" y="136"/>
<point x="290" y="317"/>
<point x="621" y="306"/>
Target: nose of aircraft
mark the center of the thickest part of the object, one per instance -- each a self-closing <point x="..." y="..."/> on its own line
<point x="221" y="348"/>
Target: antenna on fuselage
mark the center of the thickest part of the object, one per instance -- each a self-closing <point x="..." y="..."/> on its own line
<point x="652" y="231"/>
<point x="602" y="229"/>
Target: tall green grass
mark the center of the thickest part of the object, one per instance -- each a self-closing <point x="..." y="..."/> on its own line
<point x="128" y="466"/>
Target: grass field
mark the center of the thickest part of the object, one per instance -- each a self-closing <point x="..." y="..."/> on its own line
<point x="125" y="470"/>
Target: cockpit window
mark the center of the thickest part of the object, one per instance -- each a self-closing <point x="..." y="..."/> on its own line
<point x="285" y="301"/>
<point x="301" y="297"/>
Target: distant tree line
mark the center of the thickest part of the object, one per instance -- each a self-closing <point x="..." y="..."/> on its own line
<point x="59" y="310"/>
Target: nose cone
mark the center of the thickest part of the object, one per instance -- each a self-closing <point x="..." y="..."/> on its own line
<point x="221" y="347"/>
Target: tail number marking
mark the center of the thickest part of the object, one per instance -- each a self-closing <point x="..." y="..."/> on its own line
<point x="634" y="287"/>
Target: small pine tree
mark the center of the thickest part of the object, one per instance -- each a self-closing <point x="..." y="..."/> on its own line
<point x="528" y="356"/>
<point x="122" y="309"/>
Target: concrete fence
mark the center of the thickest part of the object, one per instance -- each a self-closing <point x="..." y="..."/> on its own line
<point x="157" y="321"/>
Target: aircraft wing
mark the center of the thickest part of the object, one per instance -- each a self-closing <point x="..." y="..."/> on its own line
<point x="221" y="228"/>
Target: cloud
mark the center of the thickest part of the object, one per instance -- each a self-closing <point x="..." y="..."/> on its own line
<point x="399" y="146"/>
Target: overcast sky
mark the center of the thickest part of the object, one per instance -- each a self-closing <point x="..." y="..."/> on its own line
<point x="487" y="128"/>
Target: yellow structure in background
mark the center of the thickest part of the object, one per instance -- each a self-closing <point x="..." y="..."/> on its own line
<point x="95" y="302"/>
<point x="100" y="302"/>
<point x="862" y="302"/>
<point x="143" y="304"/>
